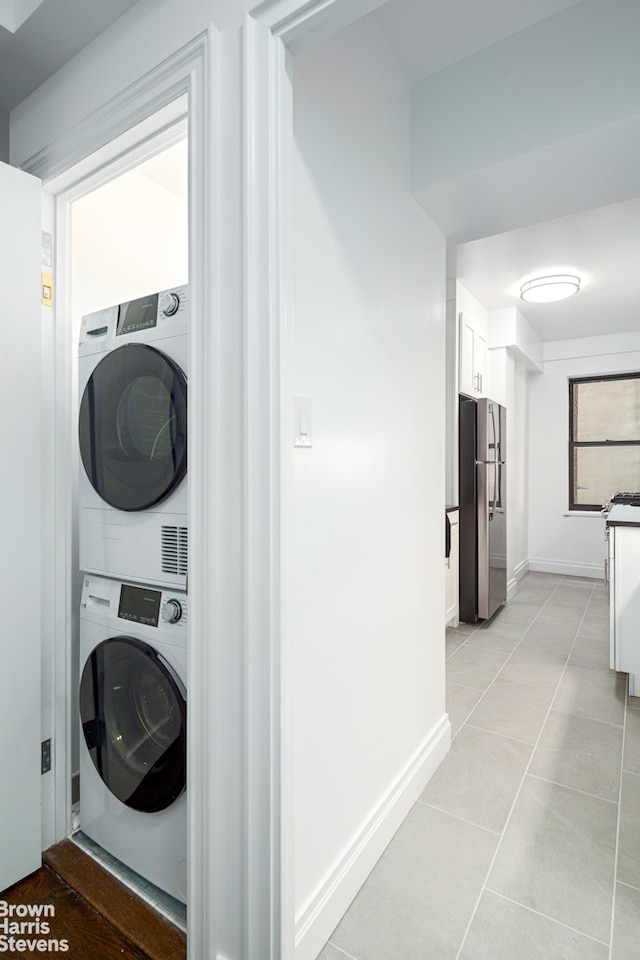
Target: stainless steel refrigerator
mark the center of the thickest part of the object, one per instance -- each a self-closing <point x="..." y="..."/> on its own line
<point x="483" y="507"/>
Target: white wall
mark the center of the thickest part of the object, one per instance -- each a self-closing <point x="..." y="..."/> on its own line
<point x="518" y="479"/>
<point x="366" y="586"/>
<point x="508" y="328"/>
<point x="129" y="238"/>
<point x="509" y="386"/>
<point x="514" y="350"/>
<point x="566" y="544"/>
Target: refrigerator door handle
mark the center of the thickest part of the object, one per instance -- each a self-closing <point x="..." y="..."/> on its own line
<point x="496" y="444"/>
<point x="494" y="502"/>
<point x="483" y="509"/>
<point x="492" y="498"/>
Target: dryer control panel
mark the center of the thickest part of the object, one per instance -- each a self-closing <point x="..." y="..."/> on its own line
<point x="157" y="316"/>
<point x="143" y="313"/>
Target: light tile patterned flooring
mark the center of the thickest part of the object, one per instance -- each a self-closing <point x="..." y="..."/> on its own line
<point x="526" y="843"/>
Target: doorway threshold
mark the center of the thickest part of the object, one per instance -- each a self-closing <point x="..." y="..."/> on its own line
<point x="143" y="923"/>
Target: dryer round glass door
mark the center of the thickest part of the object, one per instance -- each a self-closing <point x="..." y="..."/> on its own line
<point x="134" y="720"/>
<point x="133" y="427"/>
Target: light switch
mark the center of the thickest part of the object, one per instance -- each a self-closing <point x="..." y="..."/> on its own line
<point x="302" y="421"/>
<point x="47" y="289"/>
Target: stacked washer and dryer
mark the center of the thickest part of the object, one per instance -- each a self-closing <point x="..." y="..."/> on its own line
<point x="133" y="542"/>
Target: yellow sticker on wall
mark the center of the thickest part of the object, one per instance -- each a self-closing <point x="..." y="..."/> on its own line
<point x="47" y="289"/>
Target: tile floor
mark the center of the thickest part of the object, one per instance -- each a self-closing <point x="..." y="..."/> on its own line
<point x="526" y="843"/>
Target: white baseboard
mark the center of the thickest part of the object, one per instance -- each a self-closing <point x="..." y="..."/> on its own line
<point x="567" y="568"/>
<point x="518" y="573"/>
<point x="321" y="914"/>
<point x="520" y="569"/>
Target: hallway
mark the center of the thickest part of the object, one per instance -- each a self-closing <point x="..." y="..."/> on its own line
<point x="526" y="842"/>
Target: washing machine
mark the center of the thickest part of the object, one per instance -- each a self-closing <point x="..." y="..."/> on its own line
<point x="133" y="716"/>
<point x="132" y="430"/>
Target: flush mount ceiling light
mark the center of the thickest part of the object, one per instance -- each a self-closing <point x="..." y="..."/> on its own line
<point x="550" y="287"/>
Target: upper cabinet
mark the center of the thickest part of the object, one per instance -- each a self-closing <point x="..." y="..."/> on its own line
<point x="472" y="358"/>
<point x="468" y="367"/>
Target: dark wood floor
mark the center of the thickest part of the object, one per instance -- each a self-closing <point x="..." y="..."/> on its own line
<point x="98" y="917"/>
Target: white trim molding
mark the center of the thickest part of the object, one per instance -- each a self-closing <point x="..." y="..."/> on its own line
<point x="149" y="95"/>
<point x="301" y="24"/>
<point x="67" y="165"/>
<point x="320" y="916"/>
<point x="264" y="103"/>
<point x="272" y="30"/>
<point x="518" y="573"/>
<point x="567" y="568"/>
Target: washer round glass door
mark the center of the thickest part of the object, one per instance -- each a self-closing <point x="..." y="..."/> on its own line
<point x="133" y="427"/>
<point x="134" y="720"/>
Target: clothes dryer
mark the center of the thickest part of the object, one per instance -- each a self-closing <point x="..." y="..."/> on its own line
<point x="133" y="713"/>
<point x="132" y="430"/>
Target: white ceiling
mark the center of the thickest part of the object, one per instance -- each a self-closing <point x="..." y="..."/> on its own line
<point x="428" y="36"/>
<point x="601" y="245"/>
<point x="54" y="32"/>
<point x="570" y="181"/>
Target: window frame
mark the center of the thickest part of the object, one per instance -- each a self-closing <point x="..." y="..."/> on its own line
<point x="579" y="444"/>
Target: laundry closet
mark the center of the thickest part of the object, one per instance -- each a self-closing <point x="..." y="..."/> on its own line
<point x="130" y="312"/>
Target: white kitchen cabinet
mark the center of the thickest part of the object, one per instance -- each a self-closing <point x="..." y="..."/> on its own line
<point x="451" y="566"/>
<point x="624" y="596"/>
<point x="472" y="358"/>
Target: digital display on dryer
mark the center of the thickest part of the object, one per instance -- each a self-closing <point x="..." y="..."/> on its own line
<point x="139" y="605"/>
<point x="137" y="315"/>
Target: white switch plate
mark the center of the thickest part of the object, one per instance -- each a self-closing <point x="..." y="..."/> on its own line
<point x="302" y="421"/>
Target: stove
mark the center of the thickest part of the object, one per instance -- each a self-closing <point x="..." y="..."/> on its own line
<point x="631" y="499"/>
<point x="625" y="497"/>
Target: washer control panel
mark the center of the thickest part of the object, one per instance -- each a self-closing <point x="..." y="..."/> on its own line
<point x="147" y="606"/>
<point x="151" y="607"/>
<point x="171" y="611"/>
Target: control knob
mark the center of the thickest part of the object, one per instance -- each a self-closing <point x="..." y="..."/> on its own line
<point x="172" y="611"/>
<point x="169" y="303"/>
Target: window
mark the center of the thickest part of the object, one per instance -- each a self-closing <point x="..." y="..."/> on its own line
<point x="604" y="438"/>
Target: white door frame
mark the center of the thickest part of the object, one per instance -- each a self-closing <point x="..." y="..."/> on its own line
<point x="61" y="588"/>
<point x="114" y="137"/>
<point x="272" y="31"/>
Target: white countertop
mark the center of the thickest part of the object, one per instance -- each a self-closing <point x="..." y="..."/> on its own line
<point x="624" y="514"/>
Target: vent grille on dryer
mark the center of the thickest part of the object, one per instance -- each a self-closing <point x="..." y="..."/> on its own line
<point x="175" y="543"/>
